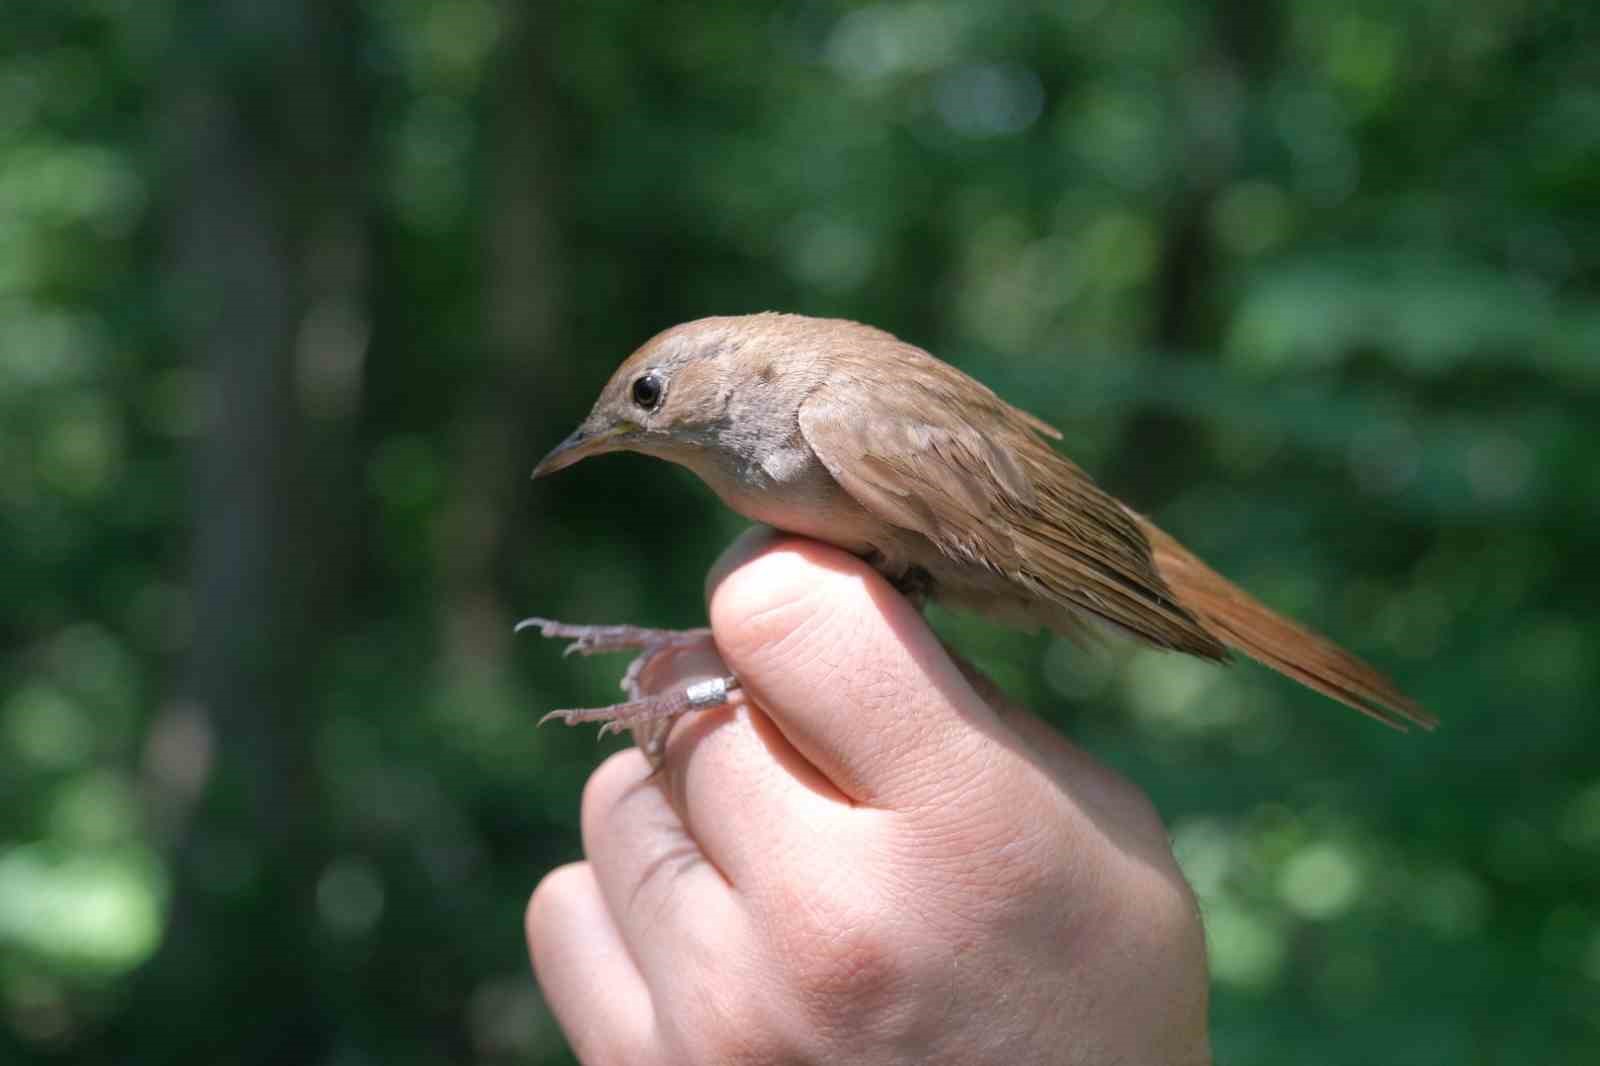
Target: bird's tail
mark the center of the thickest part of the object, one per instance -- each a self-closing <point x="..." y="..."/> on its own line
<point x="1247" y="625"/>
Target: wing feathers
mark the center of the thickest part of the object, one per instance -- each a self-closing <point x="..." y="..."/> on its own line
<point x="1003" y="499"/>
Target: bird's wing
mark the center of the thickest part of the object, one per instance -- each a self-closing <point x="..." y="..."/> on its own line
<point x="997" y="497"/>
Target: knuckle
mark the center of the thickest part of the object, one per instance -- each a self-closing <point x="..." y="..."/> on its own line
<point x="605" y="789"/>
<point x="1152" y="914"/>
<point x="550" y="897"/>
<point x="1175" y="915"/>
<point x="849" y="961"/>
<point x="1136" y="806"/>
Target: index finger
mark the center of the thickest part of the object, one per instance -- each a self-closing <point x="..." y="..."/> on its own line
<point x="848" y="671"/>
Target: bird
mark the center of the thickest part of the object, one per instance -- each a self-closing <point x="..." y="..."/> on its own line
<point x="844" y="433"/>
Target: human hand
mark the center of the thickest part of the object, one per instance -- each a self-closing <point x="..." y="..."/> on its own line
<point x="864" y="861"/>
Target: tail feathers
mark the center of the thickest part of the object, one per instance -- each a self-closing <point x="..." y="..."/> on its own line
<point x="1247" y="625"/>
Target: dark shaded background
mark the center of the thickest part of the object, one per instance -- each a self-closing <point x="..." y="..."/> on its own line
<point x="293" y="294"/>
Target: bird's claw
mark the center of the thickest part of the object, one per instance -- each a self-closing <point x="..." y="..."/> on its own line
<point x="596" y="640"/>
<point x="649" y="715"/>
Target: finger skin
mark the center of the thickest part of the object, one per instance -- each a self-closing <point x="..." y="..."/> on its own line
<point x="588" y="977"/>
<point x="662" y="892"/>
<point x="848" y="670"/>
<point x="739" y="787"/>
<point x="744" y="793"/>
<point x="786" y="592"/>
<point x="687" y="926"/>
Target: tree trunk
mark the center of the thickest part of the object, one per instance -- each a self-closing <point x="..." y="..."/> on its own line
<point x="269" y="253"/>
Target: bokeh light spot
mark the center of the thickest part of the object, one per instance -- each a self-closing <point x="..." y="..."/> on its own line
<point x="97" y="911"/>
<point x="350" y="896"/>
<point x="1320" y="881"/>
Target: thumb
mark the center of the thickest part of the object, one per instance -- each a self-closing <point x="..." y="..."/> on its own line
<point x="847" y="670"/>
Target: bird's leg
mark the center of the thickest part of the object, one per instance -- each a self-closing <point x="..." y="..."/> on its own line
<point x="649" y="711"/>
<point x="912" y="582"/>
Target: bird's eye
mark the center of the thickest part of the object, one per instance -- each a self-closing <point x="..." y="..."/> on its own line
<point x="647" y="391"/>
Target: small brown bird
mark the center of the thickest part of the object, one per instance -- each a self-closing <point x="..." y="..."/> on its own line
<point x="838" y="431"/>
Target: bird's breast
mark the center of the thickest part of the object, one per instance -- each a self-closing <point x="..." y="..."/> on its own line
<point x="789" y="489"/>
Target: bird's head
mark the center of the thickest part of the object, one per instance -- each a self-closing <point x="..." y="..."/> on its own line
<point x="714" y="384"/>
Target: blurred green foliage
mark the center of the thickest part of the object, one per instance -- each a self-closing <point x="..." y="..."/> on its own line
<point x="292" y="295"/>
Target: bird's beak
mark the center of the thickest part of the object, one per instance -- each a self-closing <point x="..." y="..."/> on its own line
<point x="583" y="443"/>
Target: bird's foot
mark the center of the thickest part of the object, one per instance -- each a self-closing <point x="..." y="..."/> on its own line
<point x="650" y="710"/>
<point x="592" y="640"/>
